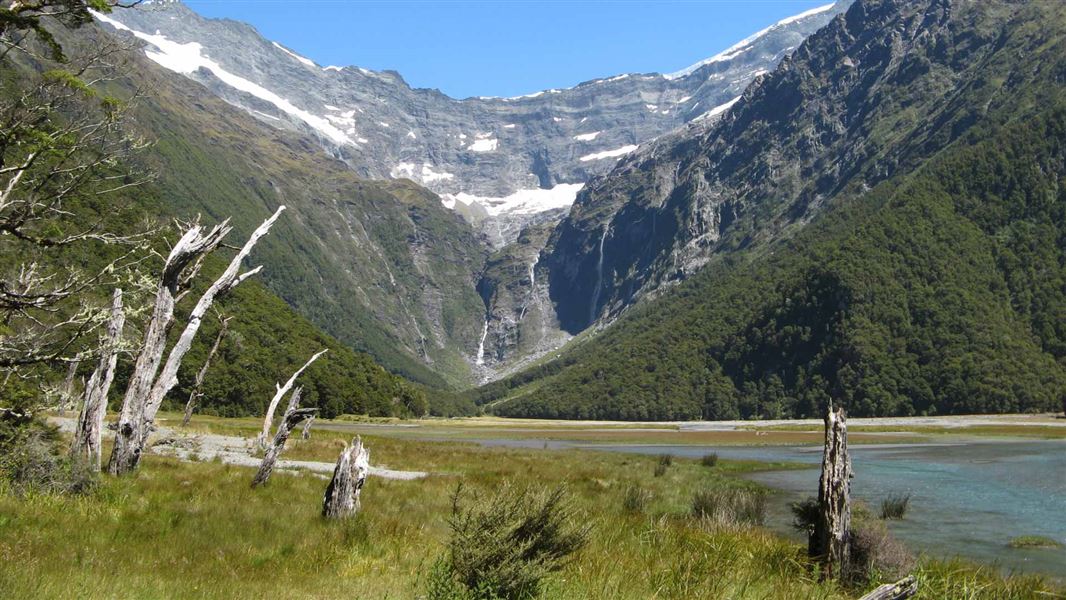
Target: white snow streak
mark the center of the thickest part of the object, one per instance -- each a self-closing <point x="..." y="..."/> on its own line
<point x="522" y="202"/>
<point x="609" y="153"/>
<point x="485" y="145"/>
<point x="306" y="61"/>
<point x="187" y="59"/>
<point x="741" y="46"/>
<point x="587" y="137"/>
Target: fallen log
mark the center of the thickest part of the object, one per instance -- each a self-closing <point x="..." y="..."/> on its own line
<point x="342" y="495"/>
<point x="904" y="588"/>
<point x="293" y="416"/>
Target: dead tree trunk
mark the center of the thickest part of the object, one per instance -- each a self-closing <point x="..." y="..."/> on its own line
<point x="66" y="395"/>
<point x="198" y="382"/>
<point x="280" y="391"/>
<point x="293" y="416"/>
<point x="342" y="494"/>
<point x="902" y="589"/>
<point x="90" y="426"/>
<point x="148" y="384"/>
<point x="830" y="541"/>
<point x="306" y="434"/>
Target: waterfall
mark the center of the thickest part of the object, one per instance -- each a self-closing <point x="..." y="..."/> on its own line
<point x="532" y="275"/>
<point x="481" y="346"/>
<point x="599" y="280"/>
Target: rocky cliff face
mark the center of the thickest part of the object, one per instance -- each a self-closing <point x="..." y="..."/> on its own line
<point x="830" y="115"/>
<point x="497" y="160"/>
<point x="511" y="166"/>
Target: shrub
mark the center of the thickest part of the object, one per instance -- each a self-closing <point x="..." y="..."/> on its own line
<point x="504" y="546"/>
<point x="660" y="470"/>
<point x="709" y="460"/>
<point x="895" y="506"/>
<point x="805" y="514"/>
<point x="636" y="499"/>
<point x="666" y="460"/>
<point x="876" y="554"/>
<point x="32" y="460"/>
<point x="730" y="507"/>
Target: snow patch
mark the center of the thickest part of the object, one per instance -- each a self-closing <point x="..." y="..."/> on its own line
<point x="484" y="144"/>
<point x="609" y="153"/>
<point x="306" y="61"/>
<point x="522" y="202"/>
<point x="188" y="58"/>
<point x="587" y="137"/>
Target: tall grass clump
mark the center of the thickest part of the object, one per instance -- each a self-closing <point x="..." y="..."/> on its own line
<point x="709" y="460"/>
<point x="730" y="506"/>
<point x="665" y="460"/>
<point x="636" y="499"/>
<point x="895" y="506"/>
<point x="504" y="546"/>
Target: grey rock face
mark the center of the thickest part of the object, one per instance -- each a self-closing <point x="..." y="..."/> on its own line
<point x="507" y="158"/>
<point x="825" y="118"/>
<point x="512" y="166"/>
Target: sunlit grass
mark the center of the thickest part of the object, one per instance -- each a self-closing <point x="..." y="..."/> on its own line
<point x="180" y="530"/>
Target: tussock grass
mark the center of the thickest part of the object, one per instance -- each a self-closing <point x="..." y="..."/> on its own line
<point x="730" y="507"/>
<point x="1034" y="541"/>
<point x="709" y="460"/>
<point x="196" y="530"/>
<point x="895" y="506"/>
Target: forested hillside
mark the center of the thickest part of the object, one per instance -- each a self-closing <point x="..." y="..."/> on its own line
<point x="940" y="290"/>
<point x="209" y="174"/>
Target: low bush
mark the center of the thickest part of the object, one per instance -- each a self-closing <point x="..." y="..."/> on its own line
<point x="895" y="506"/>
<point x="875" y="554"/>
<point x="32" y="460"/>
<point x="805" y="514"/>
<point x="709" y="460"/>
<point x="504" y="546"/>
<point x="730" y="506"/>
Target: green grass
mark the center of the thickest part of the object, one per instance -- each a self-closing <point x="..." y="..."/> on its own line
<point x="180" y="530"/>
<point x="1034" y="541"/>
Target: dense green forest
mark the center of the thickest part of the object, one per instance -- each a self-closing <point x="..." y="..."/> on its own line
<point x="943" y="291"/>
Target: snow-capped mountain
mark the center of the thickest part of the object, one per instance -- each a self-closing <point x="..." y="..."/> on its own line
<point x="501" y="162"/>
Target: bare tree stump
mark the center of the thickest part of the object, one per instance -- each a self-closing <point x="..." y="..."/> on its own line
<point x="904" y="588"/>
<point x="280" y="391"/>
<point x="830" y="542"/>
<point x="149" y="384"/>
<point x="293" y="416"/>
<point x="198" y="382"/>
<point x="306" y="434"/>
<point x="342" y="494"/>
<point x="90" y="425"/>
<point x="66" y="394"/>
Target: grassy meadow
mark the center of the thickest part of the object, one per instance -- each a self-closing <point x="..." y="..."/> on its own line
<point x="197" y="530"/>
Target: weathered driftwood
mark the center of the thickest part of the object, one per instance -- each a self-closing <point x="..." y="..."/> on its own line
<point x="830" y="541"/>
<point x="88" y="431"/>
<point x="279" y="393"/>
<point x="342" y="494"/>
<point x="292" y="417"/>
<point x="306" y="434"/>
<point x="198" y="382"/>
<point x="149" y="384"/>
<point x="904" y="588"/>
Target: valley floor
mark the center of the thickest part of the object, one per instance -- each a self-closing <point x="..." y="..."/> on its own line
<point x="196" y="528"/>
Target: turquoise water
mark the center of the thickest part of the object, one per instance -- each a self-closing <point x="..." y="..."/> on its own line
<point x="967" y="499"/>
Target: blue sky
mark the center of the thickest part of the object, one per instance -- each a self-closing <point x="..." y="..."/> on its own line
<point x="498" y="48"/>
